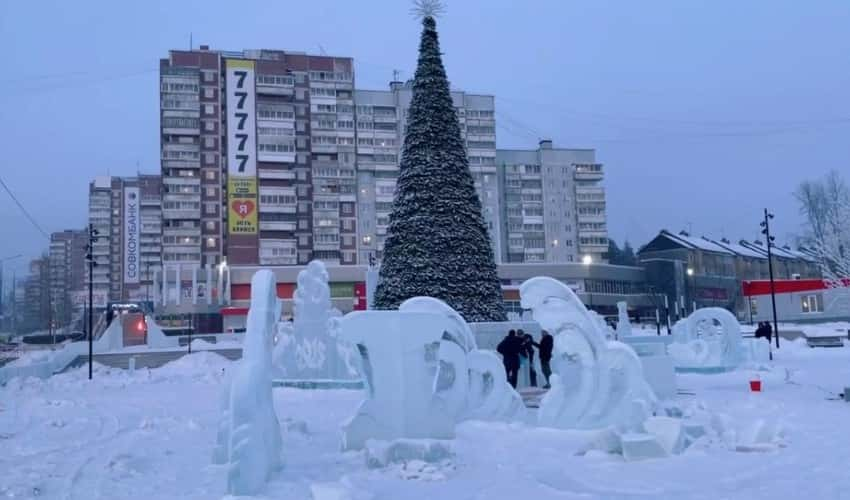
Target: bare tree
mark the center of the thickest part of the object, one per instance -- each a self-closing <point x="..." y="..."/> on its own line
<point x="826" y="205"/>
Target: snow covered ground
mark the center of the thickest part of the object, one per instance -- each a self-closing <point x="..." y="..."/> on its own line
<point x="150" y="435"/>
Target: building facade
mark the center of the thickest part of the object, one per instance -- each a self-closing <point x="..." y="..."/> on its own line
<point x="695" y="272"/>
<point x="553" y="205"/>
<point x="381" y="120"/>
<point x="67" y="272"/>
<point x="36" y="309"/>
<point x="258" y="158"/>
<point x="127" y="215"/>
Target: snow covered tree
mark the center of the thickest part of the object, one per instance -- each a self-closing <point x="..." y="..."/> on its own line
<point x="826" y="205"/>
<point x="437" y="242"/>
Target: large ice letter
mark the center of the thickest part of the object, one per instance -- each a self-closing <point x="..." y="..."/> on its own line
<point x="249" y="435"/>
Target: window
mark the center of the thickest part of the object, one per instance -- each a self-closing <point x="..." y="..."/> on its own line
<point x="275" y="131"/>
<point x="171" y="122"/>
<point x="275" y="80"/>
<point x="277" y="199"/>
<point x="210" y="175"/>
<point x="318" y="91"/>
<point x="812" y="303"/>
<point x="479" y="130"/>
<point x="264" y="113"/>
<point x="276" y="148"/>
<point x="210" y="224"/>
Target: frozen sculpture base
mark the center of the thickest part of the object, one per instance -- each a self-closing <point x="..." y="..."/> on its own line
<point x="249" y="439"/>
<point x="305" y="350"/>
<point x="423" y="374"/>
<point x="709" y="340"/>
<point x="596" y="383"/>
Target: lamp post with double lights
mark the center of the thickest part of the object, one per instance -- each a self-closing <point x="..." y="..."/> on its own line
<point x="93" y="237"/>
<point x="765" y="230"/>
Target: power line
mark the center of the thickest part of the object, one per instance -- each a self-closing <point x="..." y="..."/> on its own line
<point x="62" y="85"/>
<point x="24" y="210"/>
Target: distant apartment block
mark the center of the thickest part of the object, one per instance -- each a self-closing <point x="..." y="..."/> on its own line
<point x="381" y="122"/>
<point x="66" y="267"/>
<point x="127" y="214"/>
<point x="553" y="205"/>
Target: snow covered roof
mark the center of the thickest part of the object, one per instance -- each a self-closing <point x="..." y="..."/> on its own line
<point x="753" y="250"/>
<point x="741" y="250"/>
<point x="696" y="243"/>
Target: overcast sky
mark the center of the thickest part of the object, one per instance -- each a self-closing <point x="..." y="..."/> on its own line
<point x="702" y="112"/>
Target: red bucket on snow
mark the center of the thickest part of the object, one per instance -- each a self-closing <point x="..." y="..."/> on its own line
<point x="755" y="385"/>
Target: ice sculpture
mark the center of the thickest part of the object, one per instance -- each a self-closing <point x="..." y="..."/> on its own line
<point x="305" y="349"/>
<point x="596" y="383"/>
<point x="423" y="374"/>
<point x="624" y="326"/>
<point x="400" y="361"/>
<point x="471" y="383"/>
<point x="708" y="339"/>
<point x="490" y="396"/>
<point x="249" y="438"/>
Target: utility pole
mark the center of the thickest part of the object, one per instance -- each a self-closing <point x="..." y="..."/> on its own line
<point x="90" y="258"/>
<point x="766" y="231"/>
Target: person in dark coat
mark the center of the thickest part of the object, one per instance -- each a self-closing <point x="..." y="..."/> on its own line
<point x="527" y="351"/>
<point x="546" y="345"/>
<point x="769" y="330"/>
<point x="761" y="331"/>
<point x="509" y="348"/>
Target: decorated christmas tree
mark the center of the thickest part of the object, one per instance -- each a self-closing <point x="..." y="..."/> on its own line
<point x="437" y="242"/>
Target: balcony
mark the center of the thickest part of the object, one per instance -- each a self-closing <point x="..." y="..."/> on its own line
<point x="176" y="213"/>
<point x="181" y="231"/>
<point x="275" y="89"/>
<point x="277" y="225"/>
<point x="588" y="171"/>
<point x="265" y="173"/>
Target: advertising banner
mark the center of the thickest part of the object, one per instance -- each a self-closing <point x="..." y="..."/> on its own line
<point x="242" y="205"/>
<point x="241" y="126"/>
<point x="132" y="234"/>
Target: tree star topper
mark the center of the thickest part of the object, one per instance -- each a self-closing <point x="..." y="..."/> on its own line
<point x="427" y="8"/>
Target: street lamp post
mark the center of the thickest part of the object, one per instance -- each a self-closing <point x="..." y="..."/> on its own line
<point x="765" y="224"/>
<point x="90" y="259"/>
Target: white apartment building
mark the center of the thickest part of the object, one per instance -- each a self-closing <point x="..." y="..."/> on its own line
<point x="381" y="117"/>
<point x="553" y="205"/>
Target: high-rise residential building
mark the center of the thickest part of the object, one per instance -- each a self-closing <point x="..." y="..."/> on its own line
<point x="36" y="307"/>
<point x="381" y="121"/>
<point x="553" y="205"/>
<point x="100" y="219"/>
<point x="126" y="212"/>
<point x="258" y="158"/>
<point x="67" y="272"/>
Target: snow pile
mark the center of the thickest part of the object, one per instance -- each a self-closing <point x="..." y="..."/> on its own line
<point x="383" y="453"/>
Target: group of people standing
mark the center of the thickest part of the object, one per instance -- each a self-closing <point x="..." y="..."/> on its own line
<point x="764" y="330"/>
<point x="517" y="350"/>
